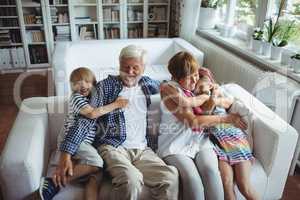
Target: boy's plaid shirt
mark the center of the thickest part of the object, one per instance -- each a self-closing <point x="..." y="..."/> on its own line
<point x="110" y="127"/>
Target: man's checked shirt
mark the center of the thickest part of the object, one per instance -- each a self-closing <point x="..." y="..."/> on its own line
<point x="111" y="127"/>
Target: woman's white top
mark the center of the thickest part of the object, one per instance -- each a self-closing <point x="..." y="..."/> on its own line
<point x="177" y="138"/>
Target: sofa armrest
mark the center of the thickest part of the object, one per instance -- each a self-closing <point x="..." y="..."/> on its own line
<point x="274" y="140"/>
<point x="25" y="155"/>
<point x="274" y="149"/>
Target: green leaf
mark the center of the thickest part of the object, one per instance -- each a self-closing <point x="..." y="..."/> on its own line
<point x="296" y="56"/>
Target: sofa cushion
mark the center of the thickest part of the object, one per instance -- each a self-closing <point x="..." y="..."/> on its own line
<point x="258" y="179"/>
<point x="157" y="72"/>
<point x="75" y="190"/>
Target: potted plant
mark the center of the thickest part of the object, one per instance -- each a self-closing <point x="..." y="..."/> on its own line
<point x="270" y="30"/>
<point x="257" y="37"/>
<point x="285" y="33"/>
<point x="295" y="64"/>
<point x="208" y="14"/>
<point x="271" y="27"/>
<point x="286" y="56"/>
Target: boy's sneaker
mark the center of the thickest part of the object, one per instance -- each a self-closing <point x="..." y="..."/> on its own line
<point x="47" y="189"/>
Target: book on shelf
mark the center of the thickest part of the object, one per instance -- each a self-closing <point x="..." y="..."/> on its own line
<point x="135" y="32"/>
<point x="135" y="1"/>
<point x="9" y="22"/>
<point x="134" y="15"/>
<point x="30" y="3"/>
<point x="111" y="33"/>
<point x="38" y="54"/>
<point x="12" y="58"/>
<point x="5" y="59"/>
<point x="158" y="1"/>
<point x="85" y="34"/>
<point x="59" y="2"/>
<point x="82" y="19"/>
<point x="157" y="30"/>
<point x="5" y="37"/>
<point x="114" y="15"/>
<point x="8" y="12"/>
<point x="29" y="19"/>
<point x="15" y="36"/>
<point x="63" y="33"/>
<point x="35" y="36"/>
<point x="111" y="14"/>
<point x="53" y="11"/>
<point x="10" y="36"/>
<point x="7" y="2"/>
<point x="107" y="14"/>
<point x="63" y="30"/>
<point x="59" y="16"/>
<point x="157" y="13"/>
<point x="110" y="1"/>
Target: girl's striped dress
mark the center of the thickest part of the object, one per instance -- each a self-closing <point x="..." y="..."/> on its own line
<point x="231" y="144"/>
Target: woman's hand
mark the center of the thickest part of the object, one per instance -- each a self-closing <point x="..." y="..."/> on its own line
<point x="236" y="120"/>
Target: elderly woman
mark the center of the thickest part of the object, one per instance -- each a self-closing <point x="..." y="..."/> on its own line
<point x="182" y="141"/>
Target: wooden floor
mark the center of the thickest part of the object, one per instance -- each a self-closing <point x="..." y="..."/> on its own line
<point x="37" y="85"/>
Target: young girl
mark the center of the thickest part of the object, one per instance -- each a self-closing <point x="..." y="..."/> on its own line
<point x="88" y="161"/>
<point x="231" y="144"/>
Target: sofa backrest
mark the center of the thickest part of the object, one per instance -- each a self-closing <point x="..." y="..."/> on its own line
<point x="102" y="57"/>
<point x="58" y="109"/>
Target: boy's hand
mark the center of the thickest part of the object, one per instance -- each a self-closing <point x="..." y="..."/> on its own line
<point x="121" y="102"/>
<point x="63" y="170"/>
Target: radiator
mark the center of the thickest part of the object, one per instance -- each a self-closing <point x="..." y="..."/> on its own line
<point x="228" y="67"/>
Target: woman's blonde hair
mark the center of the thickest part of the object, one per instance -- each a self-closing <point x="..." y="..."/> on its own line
<point x="82" y="73"/>
<point x="182" y="65"/>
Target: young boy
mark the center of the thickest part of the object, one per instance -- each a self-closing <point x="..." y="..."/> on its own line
<point x="87" y="160"/>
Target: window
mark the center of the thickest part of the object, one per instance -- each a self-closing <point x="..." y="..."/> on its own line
<point x="222" y="11"/>
<point x="245" y="12"/>
<point x="291" y="12"/>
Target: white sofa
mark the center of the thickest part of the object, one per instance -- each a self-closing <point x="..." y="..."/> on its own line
<point x="103" y="58"/>
<point x="32" y="140"/>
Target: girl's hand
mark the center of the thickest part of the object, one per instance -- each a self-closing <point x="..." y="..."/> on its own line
<point x="236" y="120"/>
<point x="121" y="102"/>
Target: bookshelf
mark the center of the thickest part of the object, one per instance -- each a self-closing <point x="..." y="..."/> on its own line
<point x="30" y="29"/>
<point x="84" y="19"/>
<point x="58" y="21"/>
<point x="135" y="19"/>
<point x="158" y="18"/>
<point x="110" y="18"/>
<point x="35" y="34"/>
<point x="12" y="55"/>
<point x="115" y="19"/>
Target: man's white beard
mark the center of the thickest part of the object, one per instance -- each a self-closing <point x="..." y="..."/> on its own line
<point x="130" y="82"/>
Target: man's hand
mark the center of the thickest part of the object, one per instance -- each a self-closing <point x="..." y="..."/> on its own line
<point x="63" y="170"/>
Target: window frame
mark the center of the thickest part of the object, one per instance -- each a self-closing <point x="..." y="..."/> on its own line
<point x="263" y="12"/>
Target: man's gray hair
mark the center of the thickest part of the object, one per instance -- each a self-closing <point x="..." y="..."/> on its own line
<point x="133" y="51"/>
